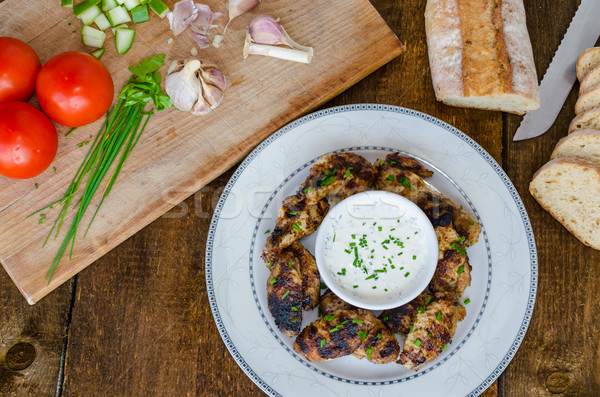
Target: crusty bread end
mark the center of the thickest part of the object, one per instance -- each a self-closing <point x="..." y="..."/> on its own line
<point x="569" y="189"/>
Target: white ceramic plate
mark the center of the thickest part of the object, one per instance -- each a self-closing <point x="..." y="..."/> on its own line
<point x="504" y="261"/>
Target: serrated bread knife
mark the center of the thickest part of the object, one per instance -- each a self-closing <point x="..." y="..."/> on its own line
<point x="561" y="74"/>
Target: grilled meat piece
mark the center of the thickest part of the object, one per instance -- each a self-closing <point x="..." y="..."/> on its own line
<point x="338" y="174"/>
<point x="295" y="219"/>
<point x="311" y="280"/>
<point x="284" y="294"/>
<point x="379" y="345"/>
<point x="453" y="271"/>
<point x="346" y="332"/>
<point x="403" y="175"/>
<point x="330" y="302"/>
<point x="399" y="319"/>
<point x="433" y="329"/>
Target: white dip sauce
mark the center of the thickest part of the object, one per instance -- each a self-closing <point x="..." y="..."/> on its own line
<point x="375" y="252"/>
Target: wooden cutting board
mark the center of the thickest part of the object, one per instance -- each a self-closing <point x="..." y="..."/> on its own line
<point x="178" y="152"/>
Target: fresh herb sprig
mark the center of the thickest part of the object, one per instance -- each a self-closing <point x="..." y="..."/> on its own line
<point x="117" y="137"/>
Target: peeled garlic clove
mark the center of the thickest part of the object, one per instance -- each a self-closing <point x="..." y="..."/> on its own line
<point x="265" y="30"/>
<point x="238" y="7"/>
<point x="182" y="86"/>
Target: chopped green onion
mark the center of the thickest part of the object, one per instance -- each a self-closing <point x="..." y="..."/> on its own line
<point x="460" y="269"/>
<point x="417" y="342"/>
<point x="322" y="343"/>
<point x="438" y="317"/>
<point x="267" y="231"/>
<point x="294" y="309"/>
<point x="389" y="178"/>
<point x="362" y="335"/>
<point x="467" y="301"/>
<point x="273" y="281"/>
<point x="285" y="295"/>
<point x="357" y="321"/>
<point x="330" y="318"/>
<point x="369" y="351"/>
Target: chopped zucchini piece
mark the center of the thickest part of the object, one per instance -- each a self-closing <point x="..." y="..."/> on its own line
<point x="120" y="2"/>
<point x="102" y="22"/>
<point x="140" y="14"/>
<point x="124" y="39"/>
<point x="117" y="16"/>
<point x="123" y="25"/>
<point x="131" y="4"/>
<point x="93" y="37"/>
<point x="89" y="15"/>
<point x="158" y="7"/>
<point x="98" y="53"/>
<point x="85" y="5"/>
<point x="66" y="3"/>
<point x="108" y="5"/>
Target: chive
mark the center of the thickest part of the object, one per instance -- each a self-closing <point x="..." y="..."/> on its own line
<point x="290" y="265"/>
<point x="348" y="251"/>
<point x="272" y="281"/>
<point x="371" y="276"/>
<point x="378" y="336"/>
<point x="444" y="347"/>
<point x="379" y="228"/>
<point x="460" y="269"/>
<point x="382" y="163"/>
<point x="327" y="181"/>
<point x="414" y="257"/>
<point x="386" y="318"/>
<point x="330" y="318"/>
<point x="35" y="185"/>
<point x="472" y="223"/>
<point x="119" y="134"/>
<point x="355" y="286"/>
<point x="323" y="285"/>
<point x="374" y="287"/>
<point x="369" y="351"/>
<point x="297" y="226"/>
<point x="322" y="343"/>
<point x="392" y="162"/>
<point x="429" y="298"/>
<point x="417" y="342"/>
<point x="268" y="231"/>
<point x="294" y="319"/>
<point x="362" y="335"/>
<point x="53" y="169"/>
<point x="271" y="264"/>
<point x="294" y="309"/>
<point x="357" y="321"/>
<point x="348" y="172"/>
<point x="343" y="272"/>
<point x="467" y="301"/>
<point x="407" y="273"/>
<point x="438" y="317"/>
<point x="285" y="295"/>
<point x="293" y="213"/>
<point x="411" y="329"/>
<point x="334" y="238"/>
<point x="389" y="178"/>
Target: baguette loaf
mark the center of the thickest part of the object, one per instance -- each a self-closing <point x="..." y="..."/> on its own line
<point x="583" y="144"/>
<point x="591" y="80"/>
<point x="480" y="54"/>
<point x="587" y="61"/>
<point x="569" y="189"/>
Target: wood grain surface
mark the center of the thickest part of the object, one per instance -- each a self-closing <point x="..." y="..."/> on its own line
<point x="138" y="321"/>
<point x="179" y="152"/>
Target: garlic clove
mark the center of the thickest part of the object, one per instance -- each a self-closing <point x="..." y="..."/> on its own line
<point x="214" y="77"/>
<point x="183" y="14"/>
<point x="236" y="8"/>
<point x="201" y="107"/>
<point x="182" y="86"/>
<point x="213" y="95"/>
<point x="264" y="34"/>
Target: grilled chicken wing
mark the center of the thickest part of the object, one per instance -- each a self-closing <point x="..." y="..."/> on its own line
<point x="330" y="302"/>
<point x="295" y="219"/>
<point x="284" y="294"/>
<point x="311" y="280"/>
<point x="403" y="175"/>
<point x="338" y="174"/>
<point x="400" y="319"/>
<point x="453" y="271"/>
<point x="433" y="329"/>
<point x="346" y="332"/>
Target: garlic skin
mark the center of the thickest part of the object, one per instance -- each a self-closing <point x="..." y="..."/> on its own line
<point x="263" y="36"/>
<point x="195" y="86"/>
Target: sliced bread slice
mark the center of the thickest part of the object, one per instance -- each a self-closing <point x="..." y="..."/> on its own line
<point x="586" y="120"/>
<point x="569" y="189"/>
<point x="590" y="81"/>
<point x="582" y="144"/>
<point x="588" y="101"/>
<point x="587" y="61"/>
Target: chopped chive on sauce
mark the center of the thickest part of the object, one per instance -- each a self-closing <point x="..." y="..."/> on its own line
<point x="467" y="301"/>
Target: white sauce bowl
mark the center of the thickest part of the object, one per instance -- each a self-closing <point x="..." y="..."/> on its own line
<point x="376" y="250"/>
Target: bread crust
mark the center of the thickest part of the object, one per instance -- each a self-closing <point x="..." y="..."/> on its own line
<point x="480" y="54"/>
<point x="587" y="61"/>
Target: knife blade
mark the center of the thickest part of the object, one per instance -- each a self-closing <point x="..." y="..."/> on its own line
<point x="561" y="74"/>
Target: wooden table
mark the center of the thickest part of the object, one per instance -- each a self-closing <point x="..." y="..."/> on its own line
<point x="137" y="322"/>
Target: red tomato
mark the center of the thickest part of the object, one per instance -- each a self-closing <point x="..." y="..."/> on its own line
<point x="28" y="141"/>
<point x="74" y="89"/>
<point x="19" y="65"/>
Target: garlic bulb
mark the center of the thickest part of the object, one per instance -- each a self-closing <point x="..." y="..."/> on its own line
<point x="263" y="36"/>
<point x="195" y="86"/>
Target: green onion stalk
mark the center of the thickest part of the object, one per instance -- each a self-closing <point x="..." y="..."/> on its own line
<point x="124" y="124"/>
